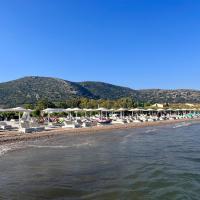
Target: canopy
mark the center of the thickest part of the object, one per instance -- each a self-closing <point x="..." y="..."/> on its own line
<point x="150" y="109"/>
<point x="18" y="109"/>
<point x="122" y="109"/>
<point x="89" y="109"/>
<point x="103" y="109"/>
<point x="169" y="109"/>
<point x="183" y="109"/>
<point x="69" y="110"/>
<point x="53" y="110"/>
<point x="160" y="110"/>
<point x="76" y="109"/>
<point x="136" y="109"/>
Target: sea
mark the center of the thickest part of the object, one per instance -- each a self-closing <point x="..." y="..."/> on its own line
<point x="147" y="163"/>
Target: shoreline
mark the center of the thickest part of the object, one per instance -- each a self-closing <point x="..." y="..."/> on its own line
<point x="14" y="136"/>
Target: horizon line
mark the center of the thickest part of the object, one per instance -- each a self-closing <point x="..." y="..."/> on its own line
<point x="82" y="81"/>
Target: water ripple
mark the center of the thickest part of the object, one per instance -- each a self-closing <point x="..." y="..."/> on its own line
<point x="140" y="164"/>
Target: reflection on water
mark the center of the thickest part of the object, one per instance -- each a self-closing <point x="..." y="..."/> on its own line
<point x="147" y="163"/>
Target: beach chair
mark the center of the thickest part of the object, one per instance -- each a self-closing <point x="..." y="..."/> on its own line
<point x="71" y="124"/>
<point x="5" y="126"/>
<point x="25" y="128"/>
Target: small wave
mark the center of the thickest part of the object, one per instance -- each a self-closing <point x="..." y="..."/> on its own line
<point x="4" y="149"/>
<point x="9" y="147"/>
<point x="150" y="130"/>
<point x="182" y="125"/>
<point x="129" y="135"/>
<point x="60" y="146"/>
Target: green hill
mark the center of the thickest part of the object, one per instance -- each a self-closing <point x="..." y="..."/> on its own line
<point x="108" y="91"/>
<point x="31" y="89"/>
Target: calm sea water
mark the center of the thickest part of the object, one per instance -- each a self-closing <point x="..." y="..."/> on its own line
<point x="147" y="163"/>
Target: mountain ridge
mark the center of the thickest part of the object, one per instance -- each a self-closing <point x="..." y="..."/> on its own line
<point x="30" y="89"/>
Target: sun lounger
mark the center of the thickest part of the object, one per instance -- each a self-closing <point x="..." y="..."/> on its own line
<point x="26" y="127"/>
<point x="119" y="121"/>
<point x="86" y="124"/>
<point x="5" y="126"/>
<point x="71" y="124"/>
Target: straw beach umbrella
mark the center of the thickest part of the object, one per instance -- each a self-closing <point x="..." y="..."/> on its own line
<point x="178" y="111"/>
<point x="52" y="110"/>
<point x="69" y="110"/>
<point x="136" y="110"/>
<point x="194" y="110"/>
<point x="102" y="110"/>
<point x="76" y="110"/>
<point x="150" y="110"/>
<point x="160" y="110"/>
<point x="48" y="111"/>
<point x="19" y="110"/>
<point x="88" y="110"/>
<point x="85" y="110"/>
<point x="121" y="110"/>
<point x="111" y="110"/>
<point x="184" y="110"/>
<point x="169" y="110"/>
<point x="131" y="110"/>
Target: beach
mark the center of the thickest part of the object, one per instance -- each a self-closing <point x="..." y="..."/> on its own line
<point x="15" y="136"/>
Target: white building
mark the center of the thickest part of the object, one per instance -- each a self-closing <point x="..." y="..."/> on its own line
<point x="157" y="105"/>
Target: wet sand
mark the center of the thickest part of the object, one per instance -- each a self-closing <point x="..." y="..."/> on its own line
<point x="15" y="136"/>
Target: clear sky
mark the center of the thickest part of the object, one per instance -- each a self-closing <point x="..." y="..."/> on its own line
<point x="135" y="43"/>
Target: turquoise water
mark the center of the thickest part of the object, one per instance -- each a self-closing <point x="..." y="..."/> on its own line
<point x="146" y="163"/>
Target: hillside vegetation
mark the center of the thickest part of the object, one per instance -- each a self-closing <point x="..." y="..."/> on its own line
<point x="31" y="89"/>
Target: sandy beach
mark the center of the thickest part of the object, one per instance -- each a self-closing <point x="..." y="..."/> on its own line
<point x="14" y="136"/>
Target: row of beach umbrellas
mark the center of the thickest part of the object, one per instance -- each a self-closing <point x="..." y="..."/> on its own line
<point x="60" y="110"/>
<point x="101" y="110"/>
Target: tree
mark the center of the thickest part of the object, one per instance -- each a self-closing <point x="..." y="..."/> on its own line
<point x="43" y="104"/>
<point x="28" y="106"/>
<point x="36" y="113"/>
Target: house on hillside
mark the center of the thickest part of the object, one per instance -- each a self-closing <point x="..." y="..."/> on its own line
<point x="157" y="105"/>
<point x="189" y="104"/>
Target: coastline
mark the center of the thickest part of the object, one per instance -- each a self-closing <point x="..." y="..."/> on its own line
<point x="14" y="136"/>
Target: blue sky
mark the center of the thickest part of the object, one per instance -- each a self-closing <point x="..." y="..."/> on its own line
<point x="140" y="44"/>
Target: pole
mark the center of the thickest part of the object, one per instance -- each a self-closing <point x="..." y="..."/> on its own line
<point x="48" y="118"/>
<point x="19" y="120"/>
